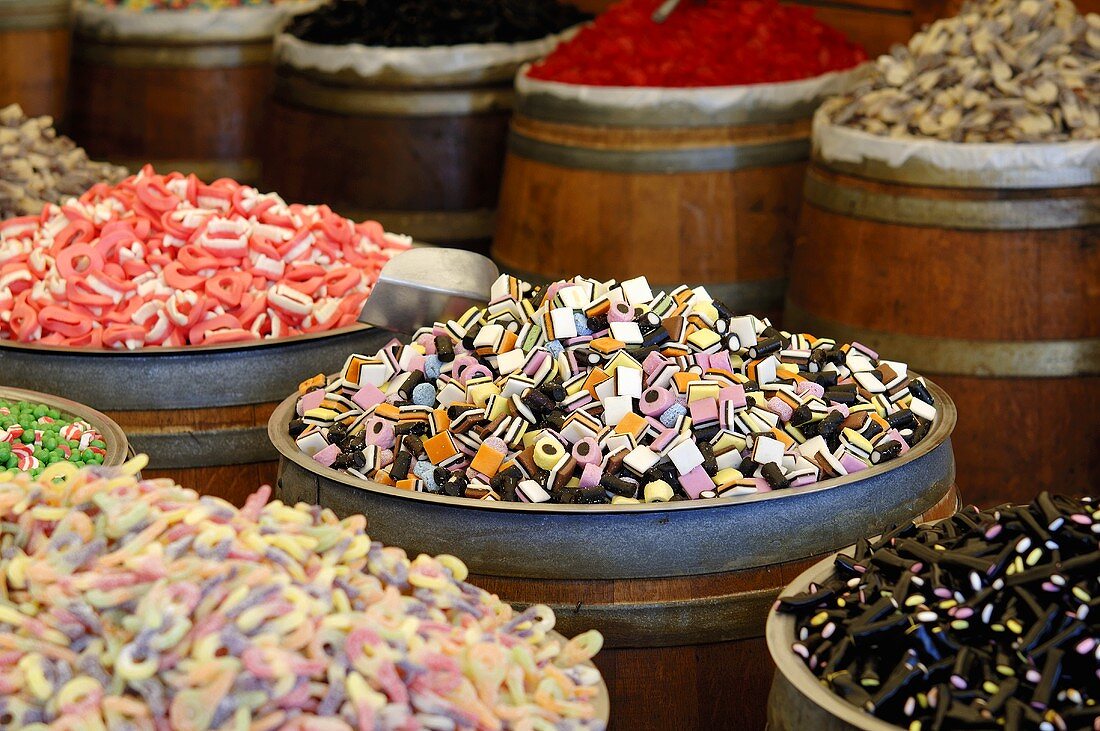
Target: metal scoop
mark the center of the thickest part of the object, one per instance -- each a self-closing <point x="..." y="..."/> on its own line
<point x="426" y="284"/>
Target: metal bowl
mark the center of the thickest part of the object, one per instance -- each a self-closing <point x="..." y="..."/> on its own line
<point x="200" y="376"/>
<point x="118" y="449"/>
<point x="633" y="541"/>
<point x="798" y="699"/>
<point x="192" y="377"/>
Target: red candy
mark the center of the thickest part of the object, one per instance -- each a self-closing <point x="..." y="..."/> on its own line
<point x="712" y="43"/>
<point x="168" y="260"/>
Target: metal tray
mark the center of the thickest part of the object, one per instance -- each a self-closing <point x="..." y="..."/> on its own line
<point x="633" y="541"/>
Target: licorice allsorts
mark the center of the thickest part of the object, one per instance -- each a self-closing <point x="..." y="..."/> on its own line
<point x="525" y="385"/>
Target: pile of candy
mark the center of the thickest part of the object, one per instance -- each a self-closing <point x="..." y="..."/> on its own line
<point x="34" y="436"/>
<point x="138" y="604"/>
<point x="39" y="167"/>
<point x="986" y="620"/>
<point x="148" y="5"/>
<point x="434" y="22"/>
<point x="590" y="392"/>
<point x="168" y="260"/>
<point x="1001" y="71"/>
<point x="716" y="43"/>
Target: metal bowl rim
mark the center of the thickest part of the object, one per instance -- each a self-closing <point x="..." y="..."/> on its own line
<point x="118" y="446"/>
<point x="942" y="427"/>
<point x="155" y="350"/>
<point x="779" y="635"/>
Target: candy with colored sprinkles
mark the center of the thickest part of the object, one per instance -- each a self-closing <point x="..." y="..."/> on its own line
<point x="988" y="619"/>
<point x="604" y="392"/>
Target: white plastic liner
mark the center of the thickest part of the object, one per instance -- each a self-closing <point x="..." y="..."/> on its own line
<point x="846" y="145"/>
<point x="223" y="25"/>
<point x="428" y="63"/>
<point x="713" y="100"/>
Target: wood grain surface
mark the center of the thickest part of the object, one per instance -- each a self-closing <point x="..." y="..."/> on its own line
<point x="1015" y="436"/>
<point x="232" y="482"/>
<point x="715" y="226"/>
<point x="704" y="686"/>
<point x="34" y="70"/>
<point x="407" y="163"/>
<point x="204" y="115"/>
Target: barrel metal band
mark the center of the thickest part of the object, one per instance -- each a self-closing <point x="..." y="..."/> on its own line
<point x="391" y="102"/>
<point x="670" y="623"/>
<point x="212" y="56"/>
<point x="434" y="226"/>
<point x="755" y="295"/>
<point x="918" y="172"/>
<point x="685" y="160"/>
<point x="212" y="448"/>
<point x="963" y="357"/>
<point x="34" y="15"/>
<point x="245" y="171"/>
<point x="548" y="108"/>
<point x="984" y="215"/>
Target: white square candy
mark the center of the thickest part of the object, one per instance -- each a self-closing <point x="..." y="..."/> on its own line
<point x="615" y="408"/>
<point x="311" y="444"/>
<point x="686" y="456"/>
<point x="743" y="328"/>
<point x="627" y="332"/>
<point x="766" y="449"/>
<point x="641" y="459"/>
<point x="489" y="336"/>
<point x="565" y="326"/>
<point x="628" y="382"/>
<point x="637" y="291"/>
<point x="511" y="361"/>
<point x="922" y="409"/>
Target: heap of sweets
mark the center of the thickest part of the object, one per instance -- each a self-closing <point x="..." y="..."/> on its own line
<point x="987" y="619"/>
<point x="417" y="23"/>
<point x="33" y="436"/>
<point x="169" y="260"/>
<point x="597" y="392"/>
<point x="139" y="604"/>
<point x="716" y="43"/>
<point x="37" y="166"/>
<point x="1000" y="71"/>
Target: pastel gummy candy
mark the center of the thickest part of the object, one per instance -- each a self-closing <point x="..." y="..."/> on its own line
<point x="138" y="604"/>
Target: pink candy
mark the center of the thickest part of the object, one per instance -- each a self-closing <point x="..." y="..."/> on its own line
<point x="168" y="260"/>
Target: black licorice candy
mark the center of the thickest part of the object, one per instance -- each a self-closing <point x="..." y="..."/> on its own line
<point x="418" y="23"/>
<point x="987" y="620"/>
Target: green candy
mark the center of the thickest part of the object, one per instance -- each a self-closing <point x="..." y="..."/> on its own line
<point x="42" y="425"/>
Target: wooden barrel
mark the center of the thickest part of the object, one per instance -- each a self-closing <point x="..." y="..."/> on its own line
<point x="985" y="280"/>
<point x="182" y="91"/>
<point x="118" y="448"/>
<point x="200" y="413"/>
<point x="679" y="590"/>
<point x="34" y="55"/>
<point x="413" y="138"/>
<point x="698" y="186"/>
<point x="874" y="24"/>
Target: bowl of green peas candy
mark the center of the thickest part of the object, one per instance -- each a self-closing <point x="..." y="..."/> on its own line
<point x="37" y="430"/>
